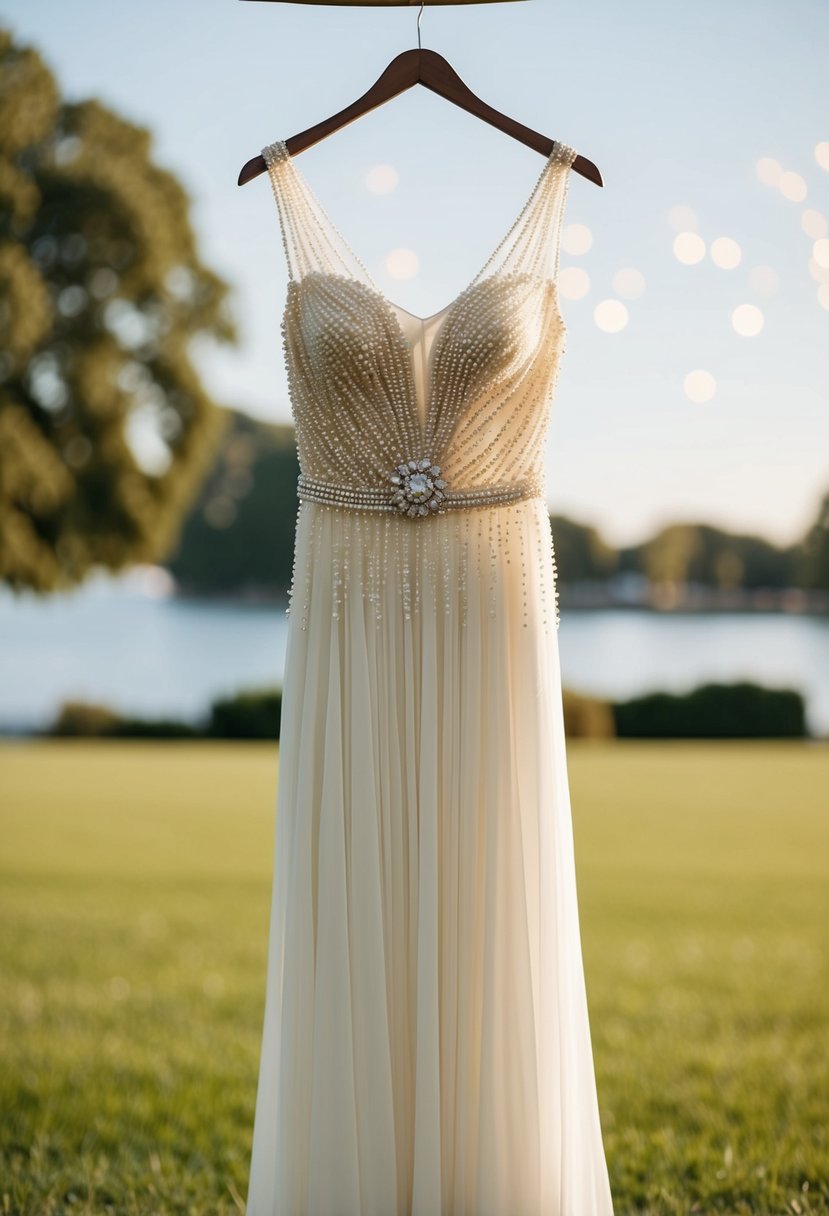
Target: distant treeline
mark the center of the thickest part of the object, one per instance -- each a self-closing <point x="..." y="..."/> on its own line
<point x="711" y="711"/>
<point x="238" y="536"/>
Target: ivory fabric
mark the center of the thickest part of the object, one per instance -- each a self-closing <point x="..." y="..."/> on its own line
<point x="426" y="1046"/>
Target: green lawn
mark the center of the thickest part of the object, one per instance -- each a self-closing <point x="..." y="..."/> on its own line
<point x="133" y="931"/>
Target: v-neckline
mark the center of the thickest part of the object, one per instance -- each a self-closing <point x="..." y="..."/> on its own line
<point x="370" y="282"/>
<point x="416" y="317"/>
<point x="421" y="427"/>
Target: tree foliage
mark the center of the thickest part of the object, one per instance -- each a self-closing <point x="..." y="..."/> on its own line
<point x="105" y="428"/>
<point x="814" y="559"/>
<point x="581" y="553"/>
<point x="701" y="553"/>
<point x="239" y="535"/>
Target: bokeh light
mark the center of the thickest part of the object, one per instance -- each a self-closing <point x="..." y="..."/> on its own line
<point x="814" y="224"/>
<point x="822" y="154"/>
<point x="683" y="219"/>
<point x="726" y="253"/>
<point x="573" y="283"/>
<point x="629" y="283"/>
<point x="689" y="248"/>
<point x="699" y="385"/>
<point x="576" y="238"/>
<point x="402" y="263"/>
<point x="747" y="320"/>
<point x="610" y="316"/>
<point x="793" y="187"/>
<point x="820" y="252"/>
<point x="769" y="171"/>
<point x="382" y="179"/>
<point x="819" y="273"/>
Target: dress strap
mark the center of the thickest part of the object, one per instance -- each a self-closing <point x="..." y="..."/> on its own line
<point x="311" y="240"/>
<point x="532" y="245"/>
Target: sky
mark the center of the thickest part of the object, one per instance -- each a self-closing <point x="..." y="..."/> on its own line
<point x="694" y="283"/>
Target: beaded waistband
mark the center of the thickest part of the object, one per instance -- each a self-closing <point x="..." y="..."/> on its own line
<point x="416" y="492"/>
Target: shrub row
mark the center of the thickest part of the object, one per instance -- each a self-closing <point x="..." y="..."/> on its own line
<point x="248" y="715"/>
<point x="711" y="711"/>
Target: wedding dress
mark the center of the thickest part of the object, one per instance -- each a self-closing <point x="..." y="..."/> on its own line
<point x="426" y="1048"/>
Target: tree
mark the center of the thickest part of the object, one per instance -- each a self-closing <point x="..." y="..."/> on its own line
<point x="239" y="535"/>
<point x="680" y="553"/>
<point x="581" y="552"/>
<point x="105" y="428"/>
<point x="814" y="551"/>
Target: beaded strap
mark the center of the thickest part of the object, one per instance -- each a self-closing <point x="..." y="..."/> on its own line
<point x="310" y="489"/>
<point x="313" y="241"/>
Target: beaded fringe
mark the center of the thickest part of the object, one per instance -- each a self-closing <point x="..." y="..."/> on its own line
<point x="381" y="562"/>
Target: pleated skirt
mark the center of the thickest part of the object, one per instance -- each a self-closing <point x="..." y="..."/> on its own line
<point x="426" y="1046"/>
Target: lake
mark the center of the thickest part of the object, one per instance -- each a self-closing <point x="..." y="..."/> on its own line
<point x="127" y="643"/>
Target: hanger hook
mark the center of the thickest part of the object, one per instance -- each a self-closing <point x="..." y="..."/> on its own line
<point x="419" y="15"/>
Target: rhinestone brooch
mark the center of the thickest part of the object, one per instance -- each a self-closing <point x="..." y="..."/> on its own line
<point x="418" y="488"/>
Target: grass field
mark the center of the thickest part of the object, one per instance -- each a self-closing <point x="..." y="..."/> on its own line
<point x="133" y="933"/>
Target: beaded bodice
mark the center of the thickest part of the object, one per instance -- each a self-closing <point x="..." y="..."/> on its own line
<point x="452" y="404"/>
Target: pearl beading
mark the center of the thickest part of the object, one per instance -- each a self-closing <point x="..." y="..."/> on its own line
<point x="489" y="388"/>
<point x="362" y="563"/>
<point x="372" y="499"/>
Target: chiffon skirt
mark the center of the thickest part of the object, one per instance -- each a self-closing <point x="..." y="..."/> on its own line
<point x="426" y="1047"/>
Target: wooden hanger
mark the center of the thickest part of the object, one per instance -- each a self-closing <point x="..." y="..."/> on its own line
<point x="430" y="69"/>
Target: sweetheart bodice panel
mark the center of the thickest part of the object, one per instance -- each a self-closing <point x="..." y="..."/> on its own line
<point x="469" y="389"/>
<point x="472" y="393"/>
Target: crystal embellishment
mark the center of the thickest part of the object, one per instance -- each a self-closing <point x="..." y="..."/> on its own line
<point x="417" y="488"/>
